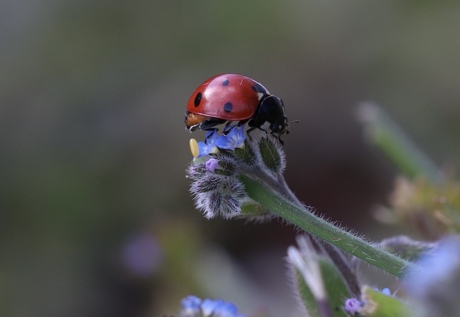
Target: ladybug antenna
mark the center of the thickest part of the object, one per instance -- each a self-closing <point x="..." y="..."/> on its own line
<point x="287" y="125"/>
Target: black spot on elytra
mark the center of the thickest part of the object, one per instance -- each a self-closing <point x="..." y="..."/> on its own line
<point x="259" y="88"/>
<point x="228" y="107"/>
<point x="226" y="82"/>
<point x="198" y="99"/>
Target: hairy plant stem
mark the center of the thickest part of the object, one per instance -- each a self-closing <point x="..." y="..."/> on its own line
<point x="282" y="202"/>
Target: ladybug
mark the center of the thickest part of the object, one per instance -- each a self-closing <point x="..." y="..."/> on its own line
<point x="236" y="98"/>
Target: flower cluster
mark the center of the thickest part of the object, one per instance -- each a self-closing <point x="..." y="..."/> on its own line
<point x="193" y="306"/>
<point x="221" y="159"/>
<point x="232" y="140"/>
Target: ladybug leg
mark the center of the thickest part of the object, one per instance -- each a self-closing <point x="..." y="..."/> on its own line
<point x="249" y="131"/>
<point x="252" y="129"/>
<point x="242" y="122"/>
<point x="253" y="124"/>
<point x="210" y="133"/>
<point x="228" y="127"/>
<point x="209" y="124"/>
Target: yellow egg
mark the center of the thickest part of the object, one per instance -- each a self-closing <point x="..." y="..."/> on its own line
<point x="194" y="148"/>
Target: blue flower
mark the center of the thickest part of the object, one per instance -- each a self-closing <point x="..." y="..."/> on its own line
<point x="385" y="291"/>
<point x="209" y="144"/>
<point x="227" y="310"/>
<point x="193" y="306"/>
<point x="211" y="307"/>
<point x="434" y="283"/>
<point x="234" y="139"/>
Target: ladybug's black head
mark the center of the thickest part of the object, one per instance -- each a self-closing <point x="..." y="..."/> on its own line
<point x="271" y="110"/>
<point x="280" y="125"/>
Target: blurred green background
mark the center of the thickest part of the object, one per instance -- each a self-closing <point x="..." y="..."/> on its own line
<point x="95" y="215"/>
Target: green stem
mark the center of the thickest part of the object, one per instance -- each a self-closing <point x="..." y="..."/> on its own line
<point x="305" y="219"/>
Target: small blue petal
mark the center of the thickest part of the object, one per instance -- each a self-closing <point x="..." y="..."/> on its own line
<point x="227" y="310"/>
<point x="191" y="302"/>
<point x="209" y="306"/>
<point x="191" y="306"/>
<point x="223" y="143"/>
<point x="194" y="306"/>
<point x="209" y="145"/>
<point x="386" y="291"/>
<point x="234" y="139"/>
<point x="205" y="149"/>
<point x="219" y="308"/>
<point x="210" y="134"/>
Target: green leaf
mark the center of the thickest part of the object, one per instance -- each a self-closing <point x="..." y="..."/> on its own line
<point x="335" y="287"/>
<point x="378" y="304"/>
<point x="306" y="296"/>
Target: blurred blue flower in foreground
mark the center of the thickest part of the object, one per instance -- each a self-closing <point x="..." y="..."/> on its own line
<point x="142" y="255"/>
<point x="435" y="284"/>
<point x="385" y="291"/>
<point x="193" y="306"/>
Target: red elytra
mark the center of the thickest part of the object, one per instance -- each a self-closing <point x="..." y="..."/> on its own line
<point x="233" y="97"/>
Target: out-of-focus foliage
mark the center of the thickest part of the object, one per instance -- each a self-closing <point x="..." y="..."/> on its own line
<point x="430" y="210"/>
<point x="93" y="147"/>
